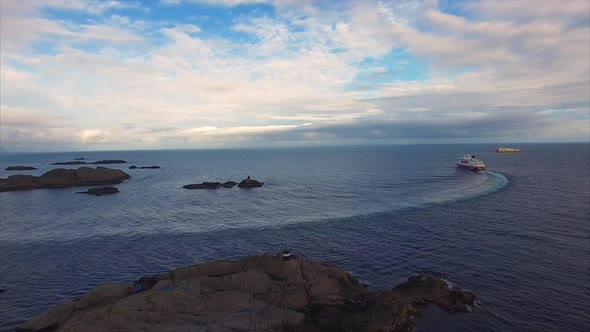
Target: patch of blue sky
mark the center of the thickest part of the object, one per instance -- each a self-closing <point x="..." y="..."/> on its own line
<point x="398" y="65"/>
<point x="457" y="8"/>
<point x="214" y="21"/>
<point x="45" y="46"/>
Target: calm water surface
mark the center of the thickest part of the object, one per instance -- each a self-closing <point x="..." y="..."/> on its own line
<point x="518" y="235"/>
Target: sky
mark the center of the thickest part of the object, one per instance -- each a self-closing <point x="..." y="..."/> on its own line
<point x="158" y="74"/>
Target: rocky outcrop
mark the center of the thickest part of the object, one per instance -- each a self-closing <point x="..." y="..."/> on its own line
<point x="99" y="162"/>
<point x="257" y="293"/>
<point x="229" y="184"/>
<point x="19" y="168"/>
<point x="249" y="183"/>
<point x="61" y="178"/>
<point x="99" y="191"/>
<point x="144" y="167"/>
<point x="204" y="185"/>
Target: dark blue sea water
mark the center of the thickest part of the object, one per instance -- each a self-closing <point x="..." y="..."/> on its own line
<point x="518" y="235"/>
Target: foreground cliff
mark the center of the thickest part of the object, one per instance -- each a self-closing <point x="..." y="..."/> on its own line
<point x="61" y="178"/>
<point x="257" y="293"/>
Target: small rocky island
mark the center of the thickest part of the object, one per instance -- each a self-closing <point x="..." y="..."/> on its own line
<point x="99" y="191"/>
<point x="246" y="183"/>
<point x="61" y="178"/>
<point x="20" y="168"/>
<point x="210" y="185"/>
<point x="258" y="293"/>
<point x="144" y="167"/>
<point x="506" y="150"/>
<point x="250" y="183"/>
<point x="77" y="161"/>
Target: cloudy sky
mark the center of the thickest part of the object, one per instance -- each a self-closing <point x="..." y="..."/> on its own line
<point x="94" y="75"/>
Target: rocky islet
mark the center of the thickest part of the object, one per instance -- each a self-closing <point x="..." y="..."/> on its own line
<point x="78" y="161"/>
<point x="62" y="178"/>
<point x="266" y="292"/>
<point x="20" y="168"/>
<point x="99" y="191"/>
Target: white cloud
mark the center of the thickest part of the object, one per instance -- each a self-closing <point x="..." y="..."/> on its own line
<point x="303" y="66"/>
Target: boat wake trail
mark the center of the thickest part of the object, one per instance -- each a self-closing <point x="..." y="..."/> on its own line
<point x="470" y="186"/>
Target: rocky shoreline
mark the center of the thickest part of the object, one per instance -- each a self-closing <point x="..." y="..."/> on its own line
<point x="257" y="293"/>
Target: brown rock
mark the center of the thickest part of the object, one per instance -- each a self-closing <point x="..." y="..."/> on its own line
<point x="256" y="293"/>
<point x="249" y="183"/>
<point x="51" y="319"/>
<point x="61" y="178"/>
<point x="99" y="191"/>
<point x="104" y="294"/>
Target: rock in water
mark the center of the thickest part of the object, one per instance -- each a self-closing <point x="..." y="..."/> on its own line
<point x="76" y="162"/>
<point x="98" y="191"/>
<point x="109" y="161"/>
<point x="61" y="178"/>
<point x="229" y="184"/>
<point x="79" y="161"/>
<point x="204" y="185"/>
<point x="19" y="168"/>
<point x="149" y="167"/>
<point x="262" y="292"/>
<point x="249" y="183"/>
<point x="132" y="167"/>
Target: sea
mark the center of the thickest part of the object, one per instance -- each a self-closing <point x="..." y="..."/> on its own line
<point x="518" y="234"/>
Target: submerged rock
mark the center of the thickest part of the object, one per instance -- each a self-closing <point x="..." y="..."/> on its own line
<point x="98" y="191"/>
<point x="19" y="168"/>
<point x="263" y="292"/>
<point x="61" y="178"/>
<point x="249" y="183"/>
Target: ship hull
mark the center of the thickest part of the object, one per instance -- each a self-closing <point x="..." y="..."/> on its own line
<point x="471" y="167"/>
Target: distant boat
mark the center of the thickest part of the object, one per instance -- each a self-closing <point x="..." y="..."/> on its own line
<point x="506" y="150"/>
<point x="471" y="163"/>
